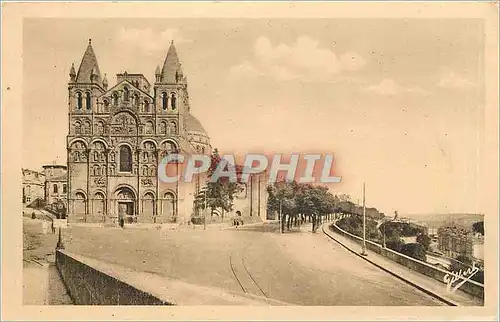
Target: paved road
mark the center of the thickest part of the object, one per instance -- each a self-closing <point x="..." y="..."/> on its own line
<point x="299" y="268"/>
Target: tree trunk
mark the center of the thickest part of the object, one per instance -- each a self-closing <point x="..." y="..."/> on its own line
<point x="283" y="217"/>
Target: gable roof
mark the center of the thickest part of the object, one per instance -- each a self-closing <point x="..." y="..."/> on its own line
<point x="120" y="83"/>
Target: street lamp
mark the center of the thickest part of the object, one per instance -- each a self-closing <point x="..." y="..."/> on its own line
<point x="363" y="251"/>
<point x="279" y="217"/>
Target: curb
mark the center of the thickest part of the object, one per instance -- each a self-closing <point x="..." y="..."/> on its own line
<point x="421" y="288"/>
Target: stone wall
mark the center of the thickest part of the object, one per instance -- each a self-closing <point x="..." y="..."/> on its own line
<point x="89" y="286"/>
<point x="471" y="287"/>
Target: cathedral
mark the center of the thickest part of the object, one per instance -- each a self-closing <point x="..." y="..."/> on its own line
<point x="117" y="136"/>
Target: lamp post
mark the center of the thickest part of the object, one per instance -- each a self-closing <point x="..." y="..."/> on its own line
<point x="279" y="217"/>
<point x="363" y="251"/>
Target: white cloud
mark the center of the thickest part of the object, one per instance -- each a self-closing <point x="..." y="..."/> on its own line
<point x="149" y="40"/>
<point x="245" y="68"/>
<point x="451" y="79"/>
<point x="389" y="87"/>
<point x="305" y="59"/>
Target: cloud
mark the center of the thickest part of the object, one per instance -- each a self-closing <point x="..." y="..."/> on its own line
<point x="451" y="79"/>
<point x="389" y="87"/>
<point x="245" y="68"/>
<point x="305" y="59"/>
<point x="149" y="40"/>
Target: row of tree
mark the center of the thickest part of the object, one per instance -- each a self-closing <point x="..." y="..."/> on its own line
<point x="297" y="202"/>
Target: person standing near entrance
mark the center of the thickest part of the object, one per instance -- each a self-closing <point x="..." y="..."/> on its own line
<point x="121" y="214"/>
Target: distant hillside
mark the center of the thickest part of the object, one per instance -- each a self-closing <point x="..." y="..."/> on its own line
<point x="437" y="220"/>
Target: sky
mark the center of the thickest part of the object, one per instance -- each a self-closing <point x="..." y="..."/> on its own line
<point x="399" y="102"/>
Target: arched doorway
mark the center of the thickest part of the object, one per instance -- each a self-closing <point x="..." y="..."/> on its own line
<point x="125" y="205"/>
<point x="169" y="209"/>
<point x="80" y="205"/>
<point x="148" y="205"/>
<point x="99" y="205"/>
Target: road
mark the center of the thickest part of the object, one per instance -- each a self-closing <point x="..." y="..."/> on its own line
<point x="298" y="268"/>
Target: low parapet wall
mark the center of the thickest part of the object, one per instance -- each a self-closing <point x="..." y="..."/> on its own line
<point x="90" y="281"/>
<point x="470" y="287"/>
<point x="90" y="286"/>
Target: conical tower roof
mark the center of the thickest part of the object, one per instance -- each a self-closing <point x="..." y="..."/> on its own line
<point x="72" y="71"/>
<point x="171" y="65"/>
<point x="88" y="66"/>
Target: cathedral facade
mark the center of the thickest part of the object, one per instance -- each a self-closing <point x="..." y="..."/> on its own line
<point x="118" y="135"/>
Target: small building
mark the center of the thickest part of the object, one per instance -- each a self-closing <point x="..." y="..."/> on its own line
<point x="252" y="201"/>
<point x="55" y="183"/>
<point x="33" y="183"/>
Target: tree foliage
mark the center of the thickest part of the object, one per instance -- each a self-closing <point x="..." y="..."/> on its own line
<point x="414" y="250"/>
<point x="220" y="193"/>
<point x="478" y="227"/>
<point x="296" y="200"/>
<point x="424" y="240"/>
<point x="354" y="225"/>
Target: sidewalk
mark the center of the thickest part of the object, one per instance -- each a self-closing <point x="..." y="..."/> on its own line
<point x="422" y="282"/>
<point x="42" y="284"/>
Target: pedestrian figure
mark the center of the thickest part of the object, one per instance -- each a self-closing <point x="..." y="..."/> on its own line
<point x="33" y="216"/>
<point x="53" y="227"/>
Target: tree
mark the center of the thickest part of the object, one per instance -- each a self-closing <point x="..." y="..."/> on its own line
<point x="394" y="242"/>
<point x="346" y="207"/>
<point x="424" y="240"/>
<point x="414" y="250"/>
<point x="281" y="198"/>
<point x="478" y="227"/>
<point x="315" y="201"/>
<point x="220" y="193"/>
<point x="354" y="225"/>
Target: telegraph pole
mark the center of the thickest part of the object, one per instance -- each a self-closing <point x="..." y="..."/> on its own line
<point x="363" y="251"/>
